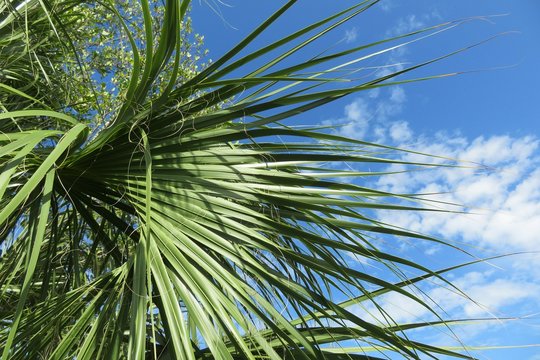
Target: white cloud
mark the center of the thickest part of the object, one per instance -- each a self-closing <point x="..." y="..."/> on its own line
<point x="498" y="183"/>
<point x="486" y="297"/>
<point x="372" y="112"/>
<point x="397" y="95"/>
<point x="400" y="131"/>
<point x="357" y="117"/>
<point x="503" y="201"/>
<point x="357" y="111"/>
<point x="413" y="22"/>
<point x="504" y="198"/>
<point x="493" y="296"/>
<point x="351" y="35"/>
<point x="407" y="24"/>
<point x="387" y="5"/>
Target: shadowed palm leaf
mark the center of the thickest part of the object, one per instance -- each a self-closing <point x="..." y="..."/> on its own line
<point x="194" y="225"/>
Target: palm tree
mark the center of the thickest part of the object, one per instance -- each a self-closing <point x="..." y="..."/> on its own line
<point x="178" y="226"/>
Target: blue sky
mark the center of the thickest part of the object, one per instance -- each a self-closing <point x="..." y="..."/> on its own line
<point x="488" y="116"/>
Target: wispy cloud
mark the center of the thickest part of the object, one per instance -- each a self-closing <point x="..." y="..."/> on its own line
<point x="413" y="22"/>
<point x="484" y="294"/>
<point x="490" y="297"/>
<point x="387" y="5"/>
<point x="351" y="35"/>
<point x="355" y="123"/>
<point x="370" y="112"/>
<point x="407" y="24"/>
<point x="400" y="131"/>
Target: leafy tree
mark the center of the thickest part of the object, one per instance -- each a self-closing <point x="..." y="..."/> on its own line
<point x="163" y="218"/>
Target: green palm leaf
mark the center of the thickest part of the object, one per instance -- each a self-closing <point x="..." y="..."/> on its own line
<point x="181" y="229"/>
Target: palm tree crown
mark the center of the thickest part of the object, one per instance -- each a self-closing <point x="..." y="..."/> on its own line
<point x="164" y="219"/>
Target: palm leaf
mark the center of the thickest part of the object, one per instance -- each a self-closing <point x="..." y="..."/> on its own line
<point x="182" y="229"/>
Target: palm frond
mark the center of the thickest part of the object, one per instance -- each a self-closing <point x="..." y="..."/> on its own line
<point x="183" y="229"/>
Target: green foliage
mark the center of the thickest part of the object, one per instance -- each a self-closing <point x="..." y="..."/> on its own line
<point x="181" y="228"/>
<point x="105" y="55"/>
